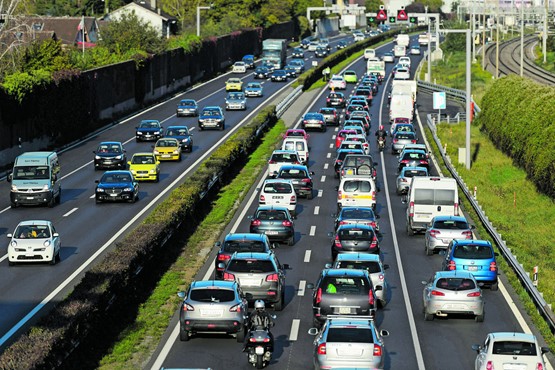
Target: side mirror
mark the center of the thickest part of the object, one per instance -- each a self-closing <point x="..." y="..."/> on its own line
<point x="336" y="188"/>
<point x="129" y="163"/>
<point x="384" y="333"/>
<point x="330" y="234"/>
<point x="311" y="173"/>
<point x="375" y="163"/>
<point x="477" y="347"/>
<point x="9" y="177"/>
<point x="424" y="282"/>
<point x="385" y="267"/>
<point x="286" y="266"/>
<point x="97" y="181"/>
<point x="273" y="317"/>
<point x="404" y="199"/>
<point x="218" y="244"/>
<point x="472" y="227"/>
<point x="378" y="217"/>
<point x="313" y="331"/>
<point x="158" y="162"/>
<point x="274" y="245"/>
<point x="310" y="286"/>
<point x="327" y="266"/>
<point x="94" y="151"/>
<point x="545" y="350"/>
<point x="495" y="254"/>
<point x="221" y="265"/>
<point x="9" y="235"/>
<point x="181" y="295"/>
<point x="55" y="235"/>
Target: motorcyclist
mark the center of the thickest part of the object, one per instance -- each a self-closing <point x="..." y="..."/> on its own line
<point x="261" y="318"/>
<point x="381" y="133"/>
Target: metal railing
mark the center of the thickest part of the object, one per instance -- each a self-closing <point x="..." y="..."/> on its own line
<point x="289" y="99"/>
<point x="454" y="94"/>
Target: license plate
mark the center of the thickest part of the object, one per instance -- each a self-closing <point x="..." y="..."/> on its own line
<point x="30" y="198"/>
<point x="271" y="232"/>
<point x="344" y="310"/>
<point x="472" y="268"/>
<point x="259" y="350"/>
<point x="277" y="197"/>
<point x="166" y="155"/>
<point x="113" y="195"/>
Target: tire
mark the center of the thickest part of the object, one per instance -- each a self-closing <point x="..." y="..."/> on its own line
<point x="97" y="201"/>
<point x="410" y="231"/>
<point x="52" y="202"/>
<point x="222" y="128"/>
<point x="259" y="361"/>
<point x="53" y="261"/>
<point x="240" y="337"/>
<point x="183" y="334"/>
<point x="324" y="128"/>
<point x="428" y="317"/>
<point x="13" y="205"/>
<point x="480" y="318"/>
<point x="59" y="197"/>
<point x="179" y="158"/>
<point x="157" y="179"/>
<point x="309" y="195"/>
<point x="291" y="241"/>
<point x="429" y="251"/>
<point x="278" y="306"/>
<point x="10" y="263"/>
<point x="137" y="140"/>
<point x="494" y="286"/>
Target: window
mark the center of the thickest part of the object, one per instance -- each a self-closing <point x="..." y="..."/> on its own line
<point x="477" y="252"/>
<point x="456" y="284"/>
<point x="251" y="265"/>
<point x="371" y="267"/>
<point x="514" y="348"/>
<point x="356" y="234"/>
<point x="350" y="335"/>
<point x="244" y="246"/>
<point x="212" y="295"/>
<point x="451" y="225"/>
<point x="348" y="285"/>
<point x="440" y="197"/>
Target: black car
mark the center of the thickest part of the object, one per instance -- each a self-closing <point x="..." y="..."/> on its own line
<point x="290" y="71"/>
<point x="352" y="107"/>
<point x="148" y="130"/>
<point x="366" y="92"/>
<point x="354" y="238"/>
<point x="306" y="41"/>
<point x="357" y="215"/>
<point x="187" y="107"/>
<point x="297" y="53"/>
<point x="279" y="75"/>
<point x="342" y="45"/>
<point x="261" y="72"/>
<point x="211" y="117"/>
<point x="275" y="222"/>
<point x="239" y="242"/>
<point x="117" y="186"/>
<point x="321" y="52"/>
<point x="301" y="178"/>
<point x="182" y="134"/>
<point x="343" y="292"/>
<point x="110" y="154"/>
<point x="414" y="158"/>
<point x="340" y="157"/>
<point x="330" y="115"/>
<point x="336" y="99"/>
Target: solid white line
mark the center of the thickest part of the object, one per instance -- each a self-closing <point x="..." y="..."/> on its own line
<point x="323" y="178"/>
<point x="307" y="256"/>
<point x="312" y="230"/>
<point x="294" y="330"/>
<point x="70" y="212"/>
<point x="326" y="165"/>
<point x="320" y="192"/>
<point x="302" y="286"/>
<point x="317" y="210"/>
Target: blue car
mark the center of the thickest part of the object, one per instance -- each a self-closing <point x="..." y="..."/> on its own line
<point x="474" y="256"/>
<point x="148" y="130"/>
<point x="117" y="186"/>
<point x="249" y="61"/>
<point x="182" y="134"/>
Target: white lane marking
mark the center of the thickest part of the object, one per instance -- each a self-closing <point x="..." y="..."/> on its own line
<point x="293" y="335"/>
<point x="336" y="129"/>
<point x="70" y="212"/>
<point x="320" y="192"/>
<point x="326" y="165"/>
<point x="328" y="155"/>
<point x="312" y="231"/>
<point x="332" y="145"/>
<point x="307" y="256"/>
<point x="302" y="286"/>
<point x="92" y="196"/>
<point x="333" y="137"/>
<point x="323" y="178"/>
<point x="408" y="305"/>
<point x="317" y="210"/>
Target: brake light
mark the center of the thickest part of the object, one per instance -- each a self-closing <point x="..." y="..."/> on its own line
<point x="271" y="162"/>
<point x="395" y="140"/>
<point x="437" y="293"/>
<point x="381" y="277"/>
<point x="223" y="257"/>
<point x="474" y="294"/>
<point x="339" y="195"/>
<point x="236" y="308"/>
<point x="293" y="199"/>
<point x="188" y="307"/>
<point x="413" y="141"/>
<point x="489" y="365"/>
<point x="287" y="223"/>
<point x="456" y="208"/>
<point x="377" y="350"/>
<point x="467" y="234"/>
<point x="318" y="295"/>
<point x="371" y="297"/>
<point x="262" y="199"/>
<point x="539" y="366"/>
<point x="493" y="266"/>
<point x="451" y="266"/>
<point x="306" y="180"/>
<point x="272" y="277"/>
<point x="255" y="223"/>
<point x="322" y="349"/>
<point x="373" y="195"/>
<point x="411" y="209"/>
<point x="229" y="277"/>
<point x="434" y="233"/>
<point x="405" y="161"/>
<point x="422" y="161"/>
<point x="374" y="243"/>
<point x="337" y="242"/>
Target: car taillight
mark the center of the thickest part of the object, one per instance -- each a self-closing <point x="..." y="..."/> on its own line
<point x="229" y="277"/>
<point x="381" y="277"/>
<point x="434" y="233"/>
<point x="255" y="223"/>
<point x="287" y="223"/>
<point x="493" y="266"/>
<point x="395" y="140"/>
<point x="236" y="308"/>
<point x="188" y="307"/>
<point x="374" y="243"/>
<point x="373" y="195"/>
<point x="318" y="296"/>
<point x="489" y="365"/>
<point x="377" y="350"/>
<point x="272" y="277"/>
<point x="451" y="266"/>
<point x="467" y="234"/>
<point x="411" y="209"/>
<point x="293" y="199"/>
<point x="405" y="161"/>
<point x="337" y="242"/>
<point x="371" y="297"/>
<point x="437" y="293"/>
<point x="474" y="294"/>
<point x="322" y="349"/>
<point x="271" y="162"/>
<point x="339" y="194"/>
<point x="456" y="207"/>
<point x="262" y="199"/>
<point x="306" y="180"/>
<point x="422" y="161"/>
<point x="539" y="366"/>
<point x="223" y="257"/>
<point x="413" y="141"/>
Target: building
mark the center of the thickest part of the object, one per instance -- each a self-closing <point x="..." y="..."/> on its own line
<point x="149" y="13"/>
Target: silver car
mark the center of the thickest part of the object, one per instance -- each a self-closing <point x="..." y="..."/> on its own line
<point x="254" y="89"/>
<point x="212" y="306"/>
<point x="236" y="100"/>
<point x="443" y="229"/>
<point x="405" y="176"/>
<point x="507" y="350"/>
<point x="452" y="292"/>
<point x="370" y="263"/>
<point x="400" y="139"/>
<point x="348" y="342"/>
<point x="34" y="241"/>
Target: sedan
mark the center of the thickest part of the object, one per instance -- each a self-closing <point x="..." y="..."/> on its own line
<point x="211" y="117"/>
<point x="167" y="149"/>
<point x="290" y="71"/>
<point x="236" y="100"/>
<point x="254" y="89"/>
<point x="117" y="186"/>
<point x="337" y="83"/>
<point x="335" y="99"/>
<point x="388" y="57"/>
<point x="261" y="72"/>
<point x="34" y="241"/>
<point x="342" y="45"/>
<point x="415" y="50"/>
<point x="320" y="52"/>
<point x="110" y="154"/>
<point x="452" y="292"/>
<point x="413" y="158"/>
<point x="234" y="84"/>
<point x="275" y="222"/>
<point x="301" y="178"/>
<point x="314" y="120"/>
<point x="402" y="73"/>
<point x="405" y="177"/>
<point x="297" y="53"/>
<point x="279" y="75"/>
<point x="148" y="130"/>
<point x="182" y="134"/>
<point x="350" y="77"/>
<point x="187" y="107"/>
<point x="144" y="166"/>
<point x="330" y="115"/>
<point x="443" y="229"/>
<point x="239" y="67"/>
<point x="354" y="238"/>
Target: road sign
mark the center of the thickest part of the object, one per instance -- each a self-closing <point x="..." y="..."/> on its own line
<point x="439" y="100"/>
<point x="402" y="15"/>
<point x="392" y="19"/>
<point x="382" y="15"/>
<point x="371" y="19"/>
<point x="413" y="19"/>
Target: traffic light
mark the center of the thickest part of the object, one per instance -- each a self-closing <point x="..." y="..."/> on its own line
<point x="391" y="19"/>
<point x="413" y="19"/>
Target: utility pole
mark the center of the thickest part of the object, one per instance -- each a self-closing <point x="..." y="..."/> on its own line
<point x="545" y="15"/>
<point x="521" y="38"/>
<point x="497" y="41"/>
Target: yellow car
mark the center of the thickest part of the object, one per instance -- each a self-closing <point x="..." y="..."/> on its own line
<point x="144" y="167"/>
<point x="234" y="84"/>
<point x="167" y="149"/>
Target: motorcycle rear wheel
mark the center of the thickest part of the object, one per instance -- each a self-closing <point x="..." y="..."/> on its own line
<point x="259" y="361"/>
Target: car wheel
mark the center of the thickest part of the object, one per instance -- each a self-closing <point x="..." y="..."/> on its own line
<point x="309" y="195"/>
<point x="51" y="202"/>
<point x="428" y="317"/>
<point x="59" y="196"/>
<point x="240" y="337"/>
<point x="410" y="231"/>
<point x="98" y="201"/>
<point x="53" y="260"/>
<point x="429" y="251"/>
<point x="157" y="178"/>
<point x="13" y="205"/>
<point x="291" y="241"/>
<point x="480" y="318"/>
<point x="179" y="158"/>
<point x="222" y="127"/>
<point x="183" y="334"/>
<point x="190" y="150"/>
<point x="278" y="306"/>
<point x="10" y="263"/>
<point x="494" y="286"/>
<point x="137" y="140"/>
<point x="316" y="323"/>
<point x="324" y="128"/>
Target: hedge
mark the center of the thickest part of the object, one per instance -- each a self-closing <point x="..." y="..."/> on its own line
<point x="518" y="117"/>
<point x="105" y="290"/>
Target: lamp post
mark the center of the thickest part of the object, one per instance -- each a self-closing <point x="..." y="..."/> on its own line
<point x="521" y="37"/>
<point x="199" y="8"/>
<point x="429" y="47"/>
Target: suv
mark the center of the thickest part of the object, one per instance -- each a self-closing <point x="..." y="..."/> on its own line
<point x="358" y="165"/>
<point x="210" y="306"/>
<point x="348" y="342"/>
<point x="279" y="192"/>
<point x="343" y="292"/>
<point x="281" y="157"/>
<point x="260" y="276"/>
<point x="275" y="222"/>
<point x="244" y="242"/>
<point x="475" y="256"/>
<point x="211" y="117"/>
<point x="301" y="178"/>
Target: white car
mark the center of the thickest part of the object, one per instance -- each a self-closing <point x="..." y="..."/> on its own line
<point x="405" y="61"/>
<point x="239" y="67"/>
<point x="279" y="192"/>
<point x="358" y="36"/>
<point x="388" y="57"/>
<point x="34" y="241"/>
<point x="402" y="74"/>
<point x="507" y="350"/>
<point x="338" y="83"/>
<point x="369" y="53"/>
<point x="313" y="45"/>
<point x="280" y="158"/>
<point x="361" y="139"/>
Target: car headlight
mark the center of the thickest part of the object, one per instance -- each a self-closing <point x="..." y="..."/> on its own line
<point x="45" y="188"/>
<point x="201" y="120"/>
<point x="152" y="171"/>
<point x="119" y="157"/>
<point x="139" y="133"/>
<point x="155" y="151"/>
<point x="47" y="243"/>
<point x="96" y="157"/>
<point x="13" y="244"/>
<point x="185" y="140"/>
<point x="133" y="172"/>
<point x="100" y="190"/>
<point x="14" y="188"/>
<point x="128" y="189"/>
<point x="176" y="151"/>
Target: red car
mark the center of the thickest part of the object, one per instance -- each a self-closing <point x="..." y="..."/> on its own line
<point x="296" y="132"/>
<point x="341" y="136"/>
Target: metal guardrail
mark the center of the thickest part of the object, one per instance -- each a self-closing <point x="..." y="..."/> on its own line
<point x="454" y="94"/>
<point x="289" y="99"/>
<point x="543" y="307"/>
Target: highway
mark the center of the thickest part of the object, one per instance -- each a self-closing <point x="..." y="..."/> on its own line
<point x="413" y="343"/>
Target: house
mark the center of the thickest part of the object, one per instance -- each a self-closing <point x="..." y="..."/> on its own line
<point x="66" y="29"/>
<point x="149" y="13"/>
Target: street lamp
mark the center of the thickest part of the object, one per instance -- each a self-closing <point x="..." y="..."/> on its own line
<point x="198" y="16"/>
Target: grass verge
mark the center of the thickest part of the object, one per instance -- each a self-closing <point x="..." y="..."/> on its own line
<point x="137" y="343"/>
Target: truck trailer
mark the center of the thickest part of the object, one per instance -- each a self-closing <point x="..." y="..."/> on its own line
<point x="274" y="51"/>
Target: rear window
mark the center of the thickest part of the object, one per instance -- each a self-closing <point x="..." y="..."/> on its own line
<point x="350" y="335"/>
<point x="294" y="145"/>
<point x="356" y="145"/>
<point x="292" y="173"/>
<point x="412" y="173"/>
<point x="440" y="197"/>
<point x="271" y="215"/>
<point x="352" y="161"/>
<point x="371" y="267"/>
<point x="278" y="188"/>
<point x="475" y="252"/>
<point x="212" y="295"/>
<point x="414" y="155"/>
<point x="451" y="225"/>
<point x="345" y="133"/>
<point x="357" y="185"/>
<point x="284" y="157"/>
<point x="404" y="135"/>
<point x="514" y="348"/>
<point x="357" y="213"/>
<point x="456" y="284"/>
<point x="244" y="246"/>
<point x="345" y="285"/>
<point x="355" y="234"/>
<point x="251" y="265"/>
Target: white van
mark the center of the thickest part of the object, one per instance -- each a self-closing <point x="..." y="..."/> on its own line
<point x="401" y="106"/>
<point x="369" y="53"/>
<point x="399" y="50"/>
<point x="279" y="192"/>
<point x="357" y="191"/>
<point x="429" y="197"/>
<point x="299" y="144"/>
<point x="402" y="39"/>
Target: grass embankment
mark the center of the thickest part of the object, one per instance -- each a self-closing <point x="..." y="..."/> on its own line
<point x="137" y="343"/>
<point x="549" y="65"/>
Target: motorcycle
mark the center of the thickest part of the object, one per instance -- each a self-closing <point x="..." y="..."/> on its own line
<point x="259" y="346"/>
<point x="381" y="143"/>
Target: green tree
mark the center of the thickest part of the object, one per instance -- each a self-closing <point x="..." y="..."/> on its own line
<point x="455" y="41"/>
<point x="276" y="11"/>
<point x="47" y="55"/>
<point x="130" y="33"/>
<point x="372" y="6"/>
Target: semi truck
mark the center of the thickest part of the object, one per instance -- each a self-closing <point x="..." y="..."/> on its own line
<point x="274" y="51"/>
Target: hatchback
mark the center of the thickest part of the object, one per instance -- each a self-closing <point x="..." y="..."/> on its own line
<point x="144" y="166"/>
<point x="301" y="178"/>
<point x="212" y="306"/>
<point x="452" y="292"/>
<point x="405" y="176"/>
<point x="148" y="130"/>
<point x="211" y="117"/>
<point x="400" y="139"/>
<point x="297" y="53"/>
<point x="475" y="256"/>
<point x="182" y="134"/>
<point x="239" y="242"/>
<point x="402" y="73"/>
<point x="358" y="138"/>
<point x="341" y="136"/>
<point x="341" y="154"/>
<point x="357" y="192"/>
<point x="413" y="158"/>
<point x="330" y="115"/>
<point x="187" y="107"/>
<point x="278" y="192"/>
<point x="348" y="343"/>
<point x="354" y="238"/>
<point x="167" y="149"/>
<point x="335" y="99"/>
<point x="337" y="82"/>
<point x="388" y="57"/>
<point x="357" y="215"/>
<point x="320" y="52"/>
<point x="313" y="120"/>
<point x="275" y="222"/>
<point x="443" y="229"/>
<point x="34" y="241"/>
<point x="261" y="72"/>
<point x="280" y="158"/>
<point x="260" y="276"/>
<point x="350" y="77"/>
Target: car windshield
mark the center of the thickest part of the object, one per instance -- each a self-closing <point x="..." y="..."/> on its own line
<point x="32" y="232"/>
<point x="108" y="148"/>
<point x="149" y="124"/>
<point x="357" y="214"/>
<point x="278" y="188"/>
<point x="351" y="145"/>
<point x="166" y="143"/>
<point x="355" y="234"/>
<point x="352" y="161"/>
<point x="455" y="284"/>
<point x="327" y="111"/>
<point x="112" y="178"/>
<point x="357" y="185"/>
<point x="210" y="112"/>
<point x="187" y="103"/>
<point x="212" y="295"/>
<point x="284" y="157"/>
<point x="254" y="85"/>
<point x="346" y="285"/>
<point x="350" y="335"/>
<point x="450" y="225"/>
<point x="292" y="173"/>
<point x="475" y="252"/>
<point x="251" y="265"/>
<point x="514" y="348"/>
<point x="143" y="159"/>
<point x="235" y="96"/>
<point x="295" y="133"/>
<point x="31" y="173"/>
<point x="343" y="133"/>
<point x="244" y="246"/>
<point x="177" y="132"/>
<point x="371" y="266"/>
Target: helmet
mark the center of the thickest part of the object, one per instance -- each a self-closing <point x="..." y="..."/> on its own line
<point x="381" y="127"/>
<point x="259" y="305"/>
